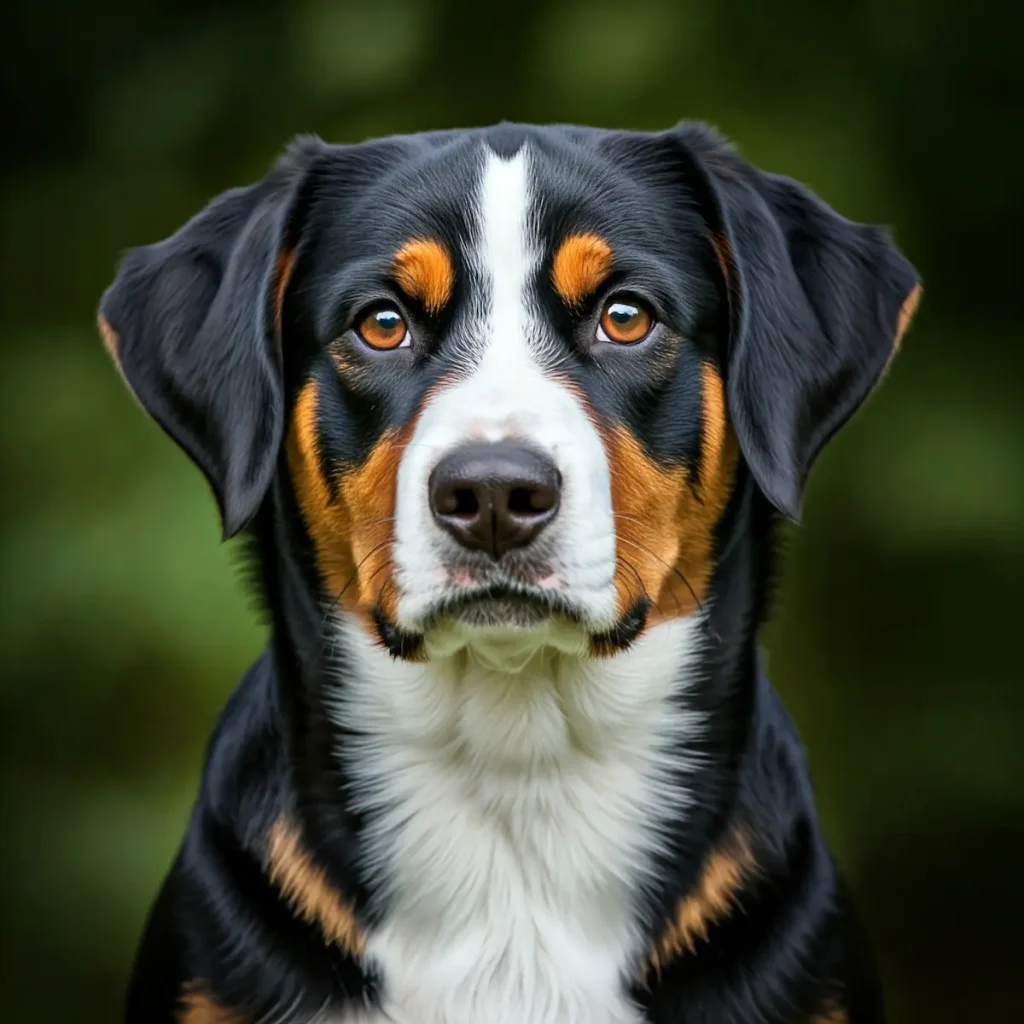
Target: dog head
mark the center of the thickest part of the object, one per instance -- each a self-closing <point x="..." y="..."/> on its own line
<point x="508" y="378"/>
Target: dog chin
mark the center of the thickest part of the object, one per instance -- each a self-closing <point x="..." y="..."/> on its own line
<point x="503" y="639"/>
<point x="503" y="625"/>
<point x="508" y="630"/>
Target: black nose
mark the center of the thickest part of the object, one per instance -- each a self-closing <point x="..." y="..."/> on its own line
<point x="494" y="497"/>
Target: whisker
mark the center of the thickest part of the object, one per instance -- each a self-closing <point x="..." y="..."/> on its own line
<point x="327" y="638"/>
<point x="389" y="582"/>
<point x="672" y="568"/>
<point x="355" y="573"/>
<point x="647" y="551"/>
<point x="647" y="596"/>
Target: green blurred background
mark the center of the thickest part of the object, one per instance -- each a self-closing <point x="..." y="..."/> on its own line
<point x="898" y="640"/>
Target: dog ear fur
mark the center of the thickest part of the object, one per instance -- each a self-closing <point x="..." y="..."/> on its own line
<point x="194" y="325"/>
<point x="818" y="305"/>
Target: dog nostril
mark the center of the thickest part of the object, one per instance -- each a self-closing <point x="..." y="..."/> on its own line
<point x="531" y="501"/>
<point x="462" y="502"/>
<point x="520" y="501"/>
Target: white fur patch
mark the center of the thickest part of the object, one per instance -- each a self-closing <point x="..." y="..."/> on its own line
<point x="515" y="815"/>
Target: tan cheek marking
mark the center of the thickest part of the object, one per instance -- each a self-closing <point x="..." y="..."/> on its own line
<point x="370" y="494"/>
<point x="424" y="270"/>
<point x="305" y="886"/>
<point x="644" y="499"/>
<point x="352" y="532"/>
<point x="199" y="1008"/>
<point x="581" y="265"/>
<point x="665" y="521"/>
<point x="713" y="898"/>
<point x="312" y="490"/>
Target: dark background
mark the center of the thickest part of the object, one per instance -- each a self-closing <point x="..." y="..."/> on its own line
<point x="898" y="639"/>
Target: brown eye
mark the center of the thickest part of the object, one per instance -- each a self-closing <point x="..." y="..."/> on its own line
<point x="624" y="322"/>
<point x="383" y="329"/>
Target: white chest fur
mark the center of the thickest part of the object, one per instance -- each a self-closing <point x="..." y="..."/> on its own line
<point x="515" y="817"/>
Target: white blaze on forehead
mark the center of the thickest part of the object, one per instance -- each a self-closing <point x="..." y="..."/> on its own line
<point x="506" y="256"/>
<point x="505" y="344"/>
<point x="505" y="390"/>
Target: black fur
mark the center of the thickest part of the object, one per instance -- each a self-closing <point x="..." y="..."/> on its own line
<point x="816" y="302"/>
<point x="801" y="326"/>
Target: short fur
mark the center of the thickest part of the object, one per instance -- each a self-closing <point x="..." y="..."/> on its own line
<point x="553" y="785"/>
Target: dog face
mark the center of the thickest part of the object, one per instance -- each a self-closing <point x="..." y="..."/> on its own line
<point x="509" y="377"/>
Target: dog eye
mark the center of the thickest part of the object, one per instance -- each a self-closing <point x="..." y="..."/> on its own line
<point x="383" y="329"/>
<point x="624" y="322"/>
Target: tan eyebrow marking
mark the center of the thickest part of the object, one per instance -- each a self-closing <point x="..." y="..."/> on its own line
<point x="424" y="270"/>
<point x="581" y="265"/>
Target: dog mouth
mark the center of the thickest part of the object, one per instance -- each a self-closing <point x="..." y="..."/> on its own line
<point x="509" y="608"/>
<point x="501" y="604"/>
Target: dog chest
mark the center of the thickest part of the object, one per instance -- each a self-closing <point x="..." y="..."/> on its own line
<point x="512" y="822"/>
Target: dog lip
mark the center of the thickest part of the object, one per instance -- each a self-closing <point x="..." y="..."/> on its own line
<point x="529" y="597"/>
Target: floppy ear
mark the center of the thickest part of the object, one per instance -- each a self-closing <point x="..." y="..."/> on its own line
<point x="817" y="308"/>
<point x="193" y="324"/>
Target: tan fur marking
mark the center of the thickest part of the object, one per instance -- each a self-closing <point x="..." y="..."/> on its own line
<point x="724" y="256"/>
<point x="831" y="1015"/>
<point x="664" y="519"/>
<point x="111" y="342"/>
<point x="581" y="265"/>
<point x="907" y="311"/>
<point x="712" y="899"/>
<point x="716" y="427"/>
<point x="199" y="1008"/>
<point x="906" y="315"/>
<point x="282" y="275"/>
<point x="305" y="886"/>
<point x="721" y="247"/>
<point x="424" y="270"/>
<point x="352" y="529"/>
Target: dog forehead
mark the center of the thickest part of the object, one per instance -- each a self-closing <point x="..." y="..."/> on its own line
<point x="377" y="195"/>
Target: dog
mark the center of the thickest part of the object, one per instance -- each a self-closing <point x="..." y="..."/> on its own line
<point x="510" y="417"/>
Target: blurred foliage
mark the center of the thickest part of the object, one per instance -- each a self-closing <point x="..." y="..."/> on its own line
<point x="897" y="642"/>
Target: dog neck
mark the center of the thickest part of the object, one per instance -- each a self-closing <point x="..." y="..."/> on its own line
<point x="527" y="712"/>
<point x="671" y="712"/>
